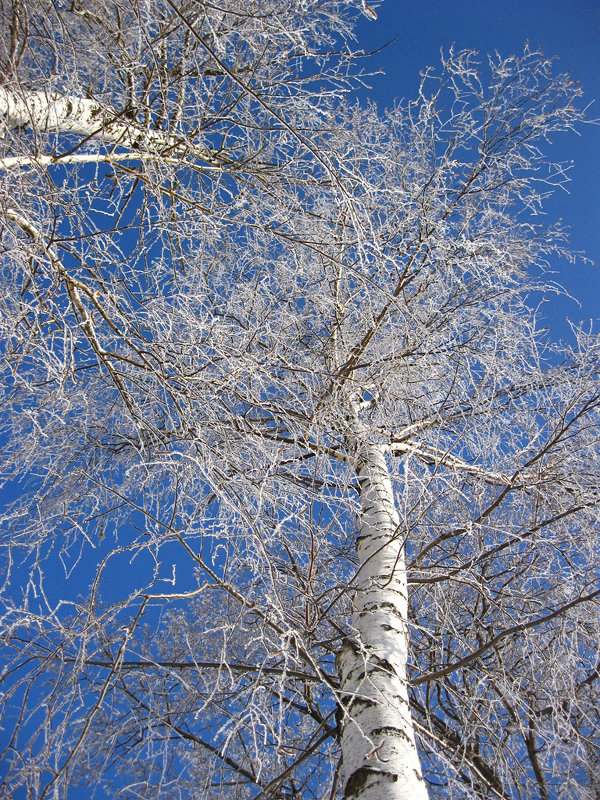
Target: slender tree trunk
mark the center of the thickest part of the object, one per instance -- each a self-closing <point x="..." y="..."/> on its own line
<point x="52" y="111"/>
<point x="380" y="758"/>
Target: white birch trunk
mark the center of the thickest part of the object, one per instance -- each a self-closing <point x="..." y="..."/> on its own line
<point x="61" y="113"/>
<point x="380" y="759"/>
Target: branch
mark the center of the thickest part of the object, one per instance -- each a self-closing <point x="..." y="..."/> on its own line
<point x="276" y="782"/>
<point x="463" y="662"/>
<point x="62" y="113"/>
<point x="97" y="706"/>
<point x="74" y="289"/>
<point x="11" y="162"/>
<point x="451" y="741"/>
<point x="432" y="454"/>
<point x="143" y="663"/>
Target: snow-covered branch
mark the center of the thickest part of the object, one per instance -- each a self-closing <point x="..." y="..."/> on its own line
<point x="436" y="456"/>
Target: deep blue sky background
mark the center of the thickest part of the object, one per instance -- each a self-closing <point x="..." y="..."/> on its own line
<point x="568" y="30"/>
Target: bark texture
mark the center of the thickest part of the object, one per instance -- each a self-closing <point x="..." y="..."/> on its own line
<point x="55" y="112"/>
<point x="379" y="753"/>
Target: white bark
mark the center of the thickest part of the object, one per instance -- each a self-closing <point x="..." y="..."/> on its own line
<point x="379" y="754"/>
<point x="56" y="112"/>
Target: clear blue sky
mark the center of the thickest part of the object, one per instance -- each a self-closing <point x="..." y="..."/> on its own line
<point x="568" y="29"/>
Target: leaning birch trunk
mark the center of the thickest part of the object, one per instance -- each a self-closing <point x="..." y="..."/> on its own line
<point x="379" y="754"/>
<point x="63" y="113"/>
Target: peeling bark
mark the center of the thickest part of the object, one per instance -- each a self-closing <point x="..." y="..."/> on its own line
<point x="376" y="730"/>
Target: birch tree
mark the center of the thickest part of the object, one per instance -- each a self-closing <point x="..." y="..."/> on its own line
<point x="301" y="499"/>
